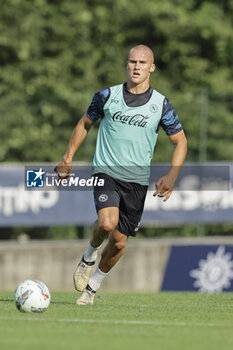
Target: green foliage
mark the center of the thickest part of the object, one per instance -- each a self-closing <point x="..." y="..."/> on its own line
<point x="53" y="232"/>
<point x="55" y="54"/>
<point x="66" y="232"/>
<point x="188" y="230"/>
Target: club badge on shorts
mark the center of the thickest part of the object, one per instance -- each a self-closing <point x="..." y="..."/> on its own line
<point x="103" y="197"/>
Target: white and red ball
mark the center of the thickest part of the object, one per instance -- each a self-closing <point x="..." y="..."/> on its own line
<point x="32" y="296"/>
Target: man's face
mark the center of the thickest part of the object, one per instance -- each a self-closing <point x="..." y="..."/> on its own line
<point x="140" y="65"/>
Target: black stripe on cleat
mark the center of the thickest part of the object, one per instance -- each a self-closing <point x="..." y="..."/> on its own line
<point x="90" y="289"/>
<point x="88" y="263"/>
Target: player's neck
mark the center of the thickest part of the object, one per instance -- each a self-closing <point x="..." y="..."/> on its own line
<point x="137" y="88"/>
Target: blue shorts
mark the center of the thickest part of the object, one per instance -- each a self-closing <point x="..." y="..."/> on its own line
<point x="129" y="197"/>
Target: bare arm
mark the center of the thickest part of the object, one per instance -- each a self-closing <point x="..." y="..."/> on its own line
<point x="78" y="136"/>
<point x="164" y="186"/>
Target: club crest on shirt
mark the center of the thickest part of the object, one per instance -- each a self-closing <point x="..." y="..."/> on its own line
<point x="153" y="108"/>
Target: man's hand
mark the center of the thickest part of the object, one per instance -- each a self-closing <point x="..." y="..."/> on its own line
<point x="164" y="187"/>
<point x="63" y="170"/>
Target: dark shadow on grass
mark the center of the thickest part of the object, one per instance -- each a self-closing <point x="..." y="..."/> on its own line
<point x="7" y="300"/>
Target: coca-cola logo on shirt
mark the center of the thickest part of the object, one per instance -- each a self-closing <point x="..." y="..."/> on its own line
<point x="135" y="120"/>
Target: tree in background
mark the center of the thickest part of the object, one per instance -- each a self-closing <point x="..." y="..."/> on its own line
<point x="55" y="54"/>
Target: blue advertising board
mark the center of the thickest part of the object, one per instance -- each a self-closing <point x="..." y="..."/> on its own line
<point x="202" y="268"/>
<point x="30" y="196"/>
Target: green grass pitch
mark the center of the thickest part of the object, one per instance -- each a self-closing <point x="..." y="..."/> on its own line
<point x="118" y="321"/>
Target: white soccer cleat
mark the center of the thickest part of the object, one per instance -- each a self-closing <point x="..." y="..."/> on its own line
<point x="82" y="274"/>
<point x="87" y="297"/>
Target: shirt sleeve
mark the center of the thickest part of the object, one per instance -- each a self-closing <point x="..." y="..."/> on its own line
<point x="169" y="120"/>
<point x="96" y="108"/>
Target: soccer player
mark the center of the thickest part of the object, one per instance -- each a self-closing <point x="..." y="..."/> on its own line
<point x="130" y="115"/>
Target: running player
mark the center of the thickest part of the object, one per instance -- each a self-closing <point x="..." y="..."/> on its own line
<point x="130" y="114"/>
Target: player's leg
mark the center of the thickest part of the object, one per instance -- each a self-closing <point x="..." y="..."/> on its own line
<point x="112" y="252"/>
<point x="110" y="255"/>
<point x="130" y="212"/>
<point x="106" y="223"/>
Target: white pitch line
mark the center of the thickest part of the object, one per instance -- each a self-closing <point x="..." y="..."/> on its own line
<point x="129" y="322"/>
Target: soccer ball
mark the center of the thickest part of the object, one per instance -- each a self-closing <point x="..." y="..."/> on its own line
<point x="32" y="296"/>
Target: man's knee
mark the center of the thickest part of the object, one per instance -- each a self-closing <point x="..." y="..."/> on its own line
<point x="120" y="245"/>
<point x="107" y="225"/>
<point x="114" y="247"/>
<point x="117" y="241"/>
